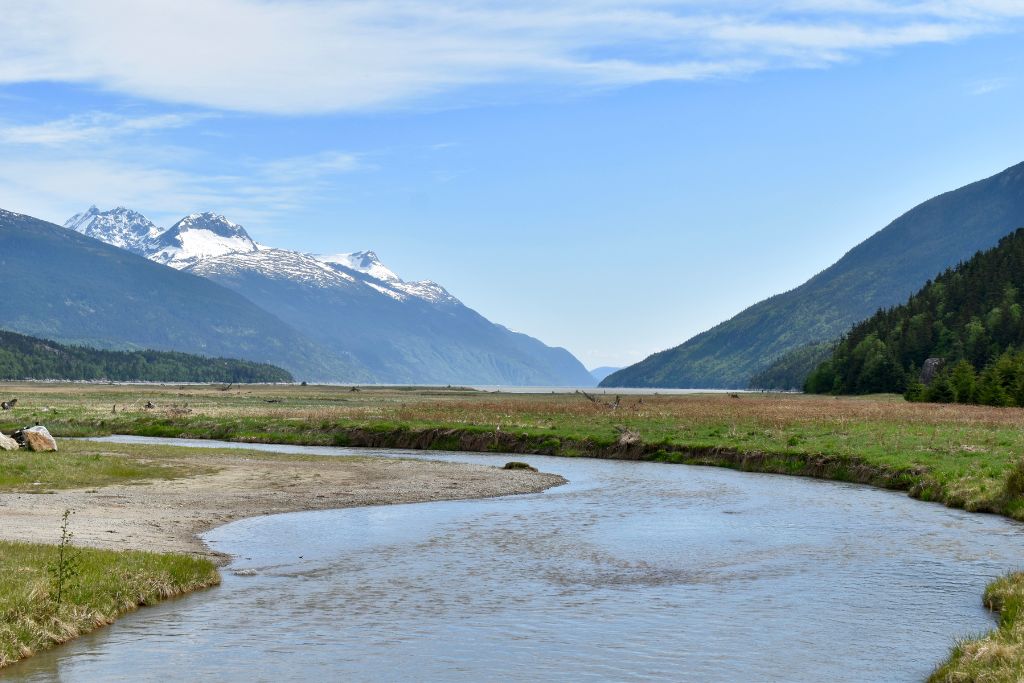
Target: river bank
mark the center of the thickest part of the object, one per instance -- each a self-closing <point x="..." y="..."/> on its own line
<point x="138" y="511"/>
<point x="166" y="515"/>
<point x="963" y="456"/>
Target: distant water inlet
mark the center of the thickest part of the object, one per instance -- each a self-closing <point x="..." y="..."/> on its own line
<point x="633" y="571"/>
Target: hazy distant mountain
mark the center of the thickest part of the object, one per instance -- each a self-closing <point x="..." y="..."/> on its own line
<point x="600" y="373"/>
<point x="353" y="305"/>
<point x="880" y="272"/>
<point x="63" y="286"/>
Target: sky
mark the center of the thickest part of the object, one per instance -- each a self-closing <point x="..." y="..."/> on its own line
<point x="611" y="176"/>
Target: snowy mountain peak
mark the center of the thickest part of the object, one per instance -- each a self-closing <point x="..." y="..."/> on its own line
<point x="208" y="243"/>
<point x="363" y="262"/>
<point x="199" y="236"/>
<point x="389" y="283"/>
<point x="120" y="227"/>
<point x="211" y="222"/>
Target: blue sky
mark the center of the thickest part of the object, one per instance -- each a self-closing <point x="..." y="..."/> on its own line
<point x="610" y="176"/>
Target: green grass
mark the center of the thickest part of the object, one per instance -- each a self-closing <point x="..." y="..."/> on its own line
<point x="82" y="465"/>
<point x="107" y="584"/>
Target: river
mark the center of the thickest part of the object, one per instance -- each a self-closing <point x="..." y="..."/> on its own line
<point x="633" y="571"/>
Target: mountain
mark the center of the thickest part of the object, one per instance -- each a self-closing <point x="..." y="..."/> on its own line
<point x="196" y="237"/>
<point x="881" y="271"/>
<point x="355" y="306"/>
<point x="23" y="357"/>
<point x="600" y="373"/>
<point x="120" y="227"/>
<point x="64" y="286"/>
<point x="971" y="317"/>
<point x="790" y="371"/>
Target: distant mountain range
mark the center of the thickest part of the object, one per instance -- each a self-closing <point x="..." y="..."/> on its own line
<point x="63" y="286"/>
<point x="880" y="272"/>
<point x="600" y="373"/>
<point x="354" y="310"/>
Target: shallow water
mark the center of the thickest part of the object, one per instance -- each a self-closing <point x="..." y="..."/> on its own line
<point x="633" y="571"/>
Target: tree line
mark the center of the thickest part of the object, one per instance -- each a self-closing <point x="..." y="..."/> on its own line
<point x="24" y="357"/>
<point x="970" y="318"/>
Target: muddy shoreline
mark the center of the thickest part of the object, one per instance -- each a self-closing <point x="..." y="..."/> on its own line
<point x="168" y="515"/>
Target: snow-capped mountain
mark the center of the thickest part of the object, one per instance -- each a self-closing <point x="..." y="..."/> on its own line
<point x="200" y="236"/>
<point x="350" y="303"/>
<point x="120" y="227"/>
<point x="367" y="262"/>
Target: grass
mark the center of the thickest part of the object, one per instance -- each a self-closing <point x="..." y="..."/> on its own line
<point x="81" y="465"/>
<point x="995" y="657"/>
<point x="963" y="456"/>
<point x="959" y="455"/>
<point x="106" y="585"/>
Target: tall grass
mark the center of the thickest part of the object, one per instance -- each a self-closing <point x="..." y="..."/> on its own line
<point x="105" y="585"/>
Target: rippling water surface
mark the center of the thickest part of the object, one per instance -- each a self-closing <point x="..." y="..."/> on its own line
<point x="633" y="571"/>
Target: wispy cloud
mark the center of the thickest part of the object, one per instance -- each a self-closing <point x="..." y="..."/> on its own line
<point x="91" y="128"/>
<point x="311" y="166"/>
<point x="988" y="85"/>
<point x="60" y="182"/>
<point x="305" y="56"/>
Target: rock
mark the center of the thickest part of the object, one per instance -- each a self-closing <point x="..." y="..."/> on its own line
<point x="8" y="444"/>
<point x="930" y="368"/>
<point x="39" y="439"/>
<point x="515" y="465"/>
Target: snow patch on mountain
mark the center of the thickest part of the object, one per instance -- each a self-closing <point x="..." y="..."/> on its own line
<point x="276" y="264"/>
<point x="208" y="243"/>
<point x="364" y="262"/>
<point x="119" y="227"/>
<point x="200" y="236"/>
<point x="368" y="263"/>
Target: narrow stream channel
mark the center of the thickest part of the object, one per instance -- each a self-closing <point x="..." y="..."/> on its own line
<point x="633" y="571"/>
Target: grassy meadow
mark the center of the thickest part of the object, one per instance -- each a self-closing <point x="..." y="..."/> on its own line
<point x="961" y="455"/>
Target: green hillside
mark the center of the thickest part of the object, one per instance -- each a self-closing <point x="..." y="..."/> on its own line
<point x="880" y="272"/>
<point x="23" y="357"/>
<point x="58" y="284"/>
<point x="790" y="372"/>
<point x="971" y="317"/>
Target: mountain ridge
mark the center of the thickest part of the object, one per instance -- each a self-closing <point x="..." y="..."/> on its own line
<point x="881" y="271"/>
<point x="351" y="303"/>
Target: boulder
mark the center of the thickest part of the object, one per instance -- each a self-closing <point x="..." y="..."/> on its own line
<point x="39" y="439"/>
<point x="930" y="368"/>
<point x="8" y="444"/>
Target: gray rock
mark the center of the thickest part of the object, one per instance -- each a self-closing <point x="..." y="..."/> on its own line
<point x="8" y="444"/>
<point x="930" y="368"/>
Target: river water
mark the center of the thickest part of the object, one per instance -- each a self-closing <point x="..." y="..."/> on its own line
<point x="632" y="571"/>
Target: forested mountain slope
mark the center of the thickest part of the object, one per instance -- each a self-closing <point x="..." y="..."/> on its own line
<point x="24" y="357"/>
<point x="880" y="272"/>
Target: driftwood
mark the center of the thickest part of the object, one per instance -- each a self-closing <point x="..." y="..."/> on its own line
<point x="613" y="405"/>
<point x="226" y="387"/>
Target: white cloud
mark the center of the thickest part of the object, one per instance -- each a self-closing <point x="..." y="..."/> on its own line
<point x="56" y="182"/>
<point x="93" y="127"/>
<point x="988" y="85"/>
<point x="308" y="56"/>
